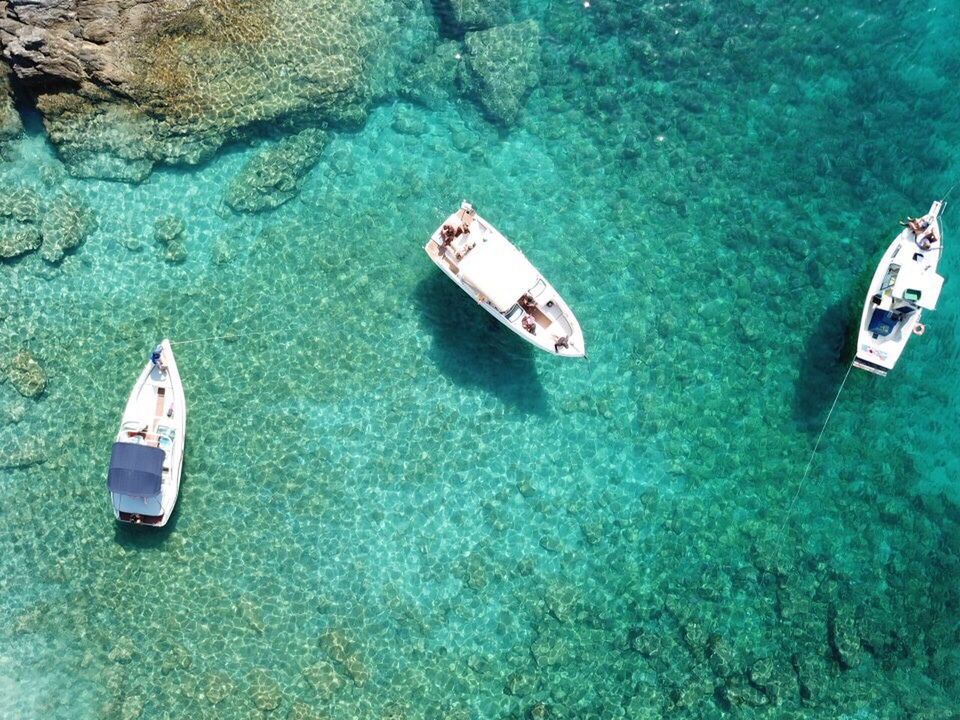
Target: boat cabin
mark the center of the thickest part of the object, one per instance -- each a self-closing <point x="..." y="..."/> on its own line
<point x="905" y="289"/>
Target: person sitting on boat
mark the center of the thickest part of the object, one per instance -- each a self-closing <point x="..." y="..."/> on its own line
<point x="529" y="324"/>
<point x="156" y="357"/>
<point x="527" y="302"/>
<point x="561" y="343"/>
<point x="918" y="225"/>
<point x="927" y="239"/>
<point x="447" y="234"/>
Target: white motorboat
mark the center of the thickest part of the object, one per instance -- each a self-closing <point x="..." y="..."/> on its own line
<point x="147" y="459"/>
<point x="905" y="284"/>
<point x="491" y="270"/>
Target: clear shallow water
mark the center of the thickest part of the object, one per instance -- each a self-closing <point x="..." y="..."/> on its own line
<point x="391" y="508"/>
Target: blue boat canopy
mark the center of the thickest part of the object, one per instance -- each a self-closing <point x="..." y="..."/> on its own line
<point x="135" y="469"/>
<point x="883" y="322"/>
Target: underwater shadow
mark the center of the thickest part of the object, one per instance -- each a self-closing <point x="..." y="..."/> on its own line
<point x="827" y="354"/>
<point x="472" y="349"/>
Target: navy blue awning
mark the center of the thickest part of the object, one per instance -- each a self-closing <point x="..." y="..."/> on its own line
<point x="135" y="469"/>
<point x="883" y="322"/>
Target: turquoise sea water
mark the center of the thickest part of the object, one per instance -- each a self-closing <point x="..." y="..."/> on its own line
<point x="393" y="508"/>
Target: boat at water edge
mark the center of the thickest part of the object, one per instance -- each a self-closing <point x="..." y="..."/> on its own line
<point x="147" y="458"/>
<point x="904" y="285"/>
<point x="491" y="270"/>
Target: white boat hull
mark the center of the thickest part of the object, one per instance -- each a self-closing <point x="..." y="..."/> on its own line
<point x="547" y="322"/>
<point x="155" y="415"/>
<point x="889" y="319"/>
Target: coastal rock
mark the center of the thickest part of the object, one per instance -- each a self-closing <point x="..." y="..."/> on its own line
<point x="504" y="66"/>
<point x="16" y="240"/>
<point x="434" y="79"/>
<point x="459" y="16"/>
<point x="272" y="176"/>
<point x="122" y="86"/>
<point x="10" y="125"/>
<point x="26" y="375"/>
<point x="66" y="225"/>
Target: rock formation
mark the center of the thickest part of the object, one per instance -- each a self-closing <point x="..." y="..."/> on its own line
<point x="65" y="225"/>
<point x="504" y="66"/>
<point x="272" y="176"/>
<point x="10" y="125"/>
<point x="123" y="84"/>
<point x="26" y="375"/>
<point x="459" y="16"/>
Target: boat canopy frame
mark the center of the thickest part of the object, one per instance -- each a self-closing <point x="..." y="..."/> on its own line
<point x="135" y="469"/>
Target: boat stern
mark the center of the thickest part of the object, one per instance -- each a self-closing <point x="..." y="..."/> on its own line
<point x="871" y="367"/>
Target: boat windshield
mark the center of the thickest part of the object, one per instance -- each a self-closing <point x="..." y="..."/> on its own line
<point x="890" y="278"/>
<point x="513" y="313"/>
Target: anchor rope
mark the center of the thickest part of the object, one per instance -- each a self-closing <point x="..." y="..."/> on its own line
<point x="228" y="336"/>
<point x="813" y="454"/>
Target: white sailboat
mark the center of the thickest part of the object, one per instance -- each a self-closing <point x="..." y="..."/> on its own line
<point x="147" y="458"/>
<point x="905" y="284"/>
<point x="491" y="270"/>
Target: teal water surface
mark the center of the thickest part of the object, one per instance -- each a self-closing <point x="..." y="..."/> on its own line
<point x="393" y="508"/>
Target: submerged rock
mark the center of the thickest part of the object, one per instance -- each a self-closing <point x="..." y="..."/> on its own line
<point x="20" y="204"/>
<point x="434" y="80"/>
<point x="16" y="240"/>
<point x="264" y="690"/>
<point x="459" y="16"/>
<point x="169" y="231"/>
<point x="66" y="225"/>
<point x="843" y="636"/>
<point x="26" y="375"/>
<point x="122" y="86"/>
<point x="272" y="176"/>
<point x="504" y="66"/>
<point x="19" y="210"/>
<point x="22" y="455"/>
<point x="217" y="686"/>
<point x="342" y="651"/>
<point x="323" y="678"/>
<point x="302" y="711"/>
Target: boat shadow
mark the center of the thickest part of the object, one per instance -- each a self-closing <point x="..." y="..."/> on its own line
<point x="472" y="349"/>
<point x="828" y="352"/>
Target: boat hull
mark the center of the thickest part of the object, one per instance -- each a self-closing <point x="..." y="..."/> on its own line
<point x="155" y="415"/>
<point x="550" y="321"/>
<point x="881" y="344"/>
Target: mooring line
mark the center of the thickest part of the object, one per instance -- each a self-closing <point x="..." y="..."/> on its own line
<point x="806" y="472"/>
<point x="230" y="336"/>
